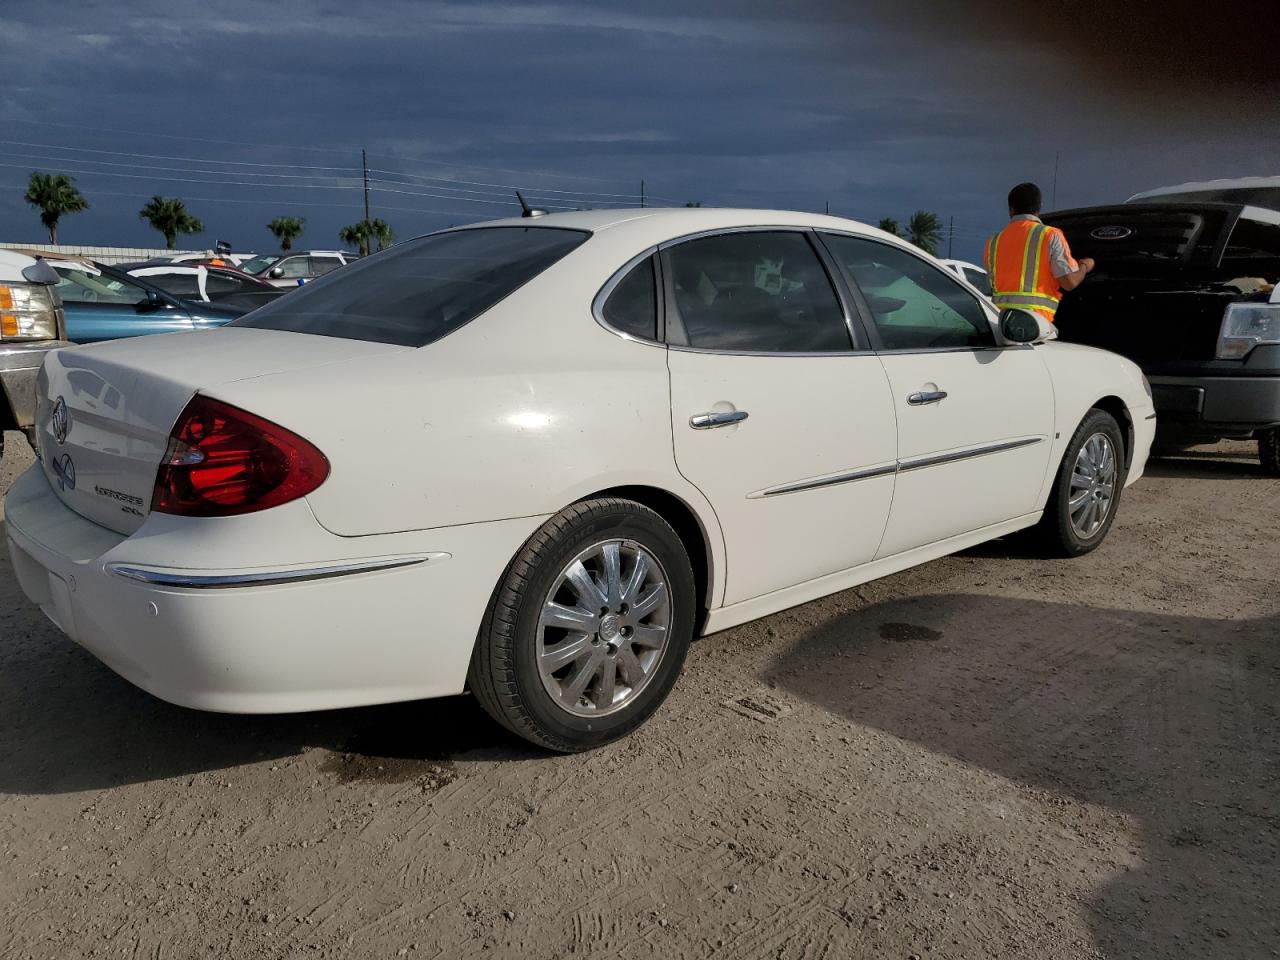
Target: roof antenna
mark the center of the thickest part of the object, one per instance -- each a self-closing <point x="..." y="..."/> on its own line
<point x="526" y="210"/>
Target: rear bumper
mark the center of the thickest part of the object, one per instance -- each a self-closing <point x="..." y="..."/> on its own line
<point x="345" y="628"/>
<point x="19" y="365"/>
<point x="1216" y="406"/>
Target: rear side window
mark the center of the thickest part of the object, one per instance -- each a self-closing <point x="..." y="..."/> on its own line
<point x="757" y="292"/>
<point x="633" y="306"/>
<point x="419" y="291"/>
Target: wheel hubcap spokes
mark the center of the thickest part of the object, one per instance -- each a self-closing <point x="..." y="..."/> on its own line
<point x="1093" y="480"/>
<point x="603" y="628"/>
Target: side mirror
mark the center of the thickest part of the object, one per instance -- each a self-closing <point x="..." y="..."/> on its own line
<point x="276" y="273"/>
<point x="1019" y="326"/>
<point x="151" y="303"/>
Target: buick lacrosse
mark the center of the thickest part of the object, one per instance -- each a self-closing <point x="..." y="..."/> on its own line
<point x="534" y="458"/>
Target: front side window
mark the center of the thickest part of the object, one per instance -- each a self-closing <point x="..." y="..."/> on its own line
<point x="914" y="305"/>
<point x="978" y="278"/>
<point x="420" y="290"/>
<point x="293" y="268"/>
<point x="179" y="284"/>
<point x="79" y="286"/>
<point x="257" y="265"/>
<point x="758" y="292"/>
<point x="632" y="307"/>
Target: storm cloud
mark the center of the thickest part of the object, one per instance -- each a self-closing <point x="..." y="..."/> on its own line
<point x="873" y="109"/>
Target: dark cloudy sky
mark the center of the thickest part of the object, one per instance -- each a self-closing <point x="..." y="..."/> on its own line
<point x="875" y="108"/>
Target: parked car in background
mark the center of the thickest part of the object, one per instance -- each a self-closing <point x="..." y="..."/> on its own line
<point x="287" y="269"/>
<point x="102" y="303"/>
<point x="971" y="272"/>
<point x="597" y="434"/>
<point x="212" y="257"/>
<point x="1186" y="285"/>
<point x="209" y="284"/>
<point x="31" y="324"/>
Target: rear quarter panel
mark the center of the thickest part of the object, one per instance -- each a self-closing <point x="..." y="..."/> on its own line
<point x="521" y="412"/>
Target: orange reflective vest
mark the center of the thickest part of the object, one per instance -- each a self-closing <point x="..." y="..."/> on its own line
<point x="1021" y="275"/>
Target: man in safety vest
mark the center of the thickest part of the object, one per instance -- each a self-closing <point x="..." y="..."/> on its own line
<point x="1030" y="263"/>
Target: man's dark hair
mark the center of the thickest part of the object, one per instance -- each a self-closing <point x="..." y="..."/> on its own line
<point x="1024" y="198"/>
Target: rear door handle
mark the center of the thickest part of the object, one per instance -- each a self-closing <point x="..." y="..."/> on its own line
<point x="705" y="421"/>
<point x="921" y="397"/>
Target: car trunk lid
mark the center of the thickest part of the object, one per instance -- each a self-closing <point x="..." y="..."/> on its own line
<point x="104" y="413"/>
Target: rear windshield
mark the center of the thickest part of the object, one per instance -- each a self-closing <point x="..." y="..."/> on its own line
<point x="420" y="290"/>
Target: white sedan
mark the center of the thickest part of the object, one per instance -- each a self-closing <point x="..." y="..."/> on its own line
<point x="536" y="457"/>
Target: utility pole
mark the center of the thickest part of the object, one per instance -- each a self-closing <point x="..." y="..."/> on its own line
<point x="364" y="162"/>
<point x="641" y="193"/>
<point x="951" y="235"/>
<point x="826" y="207"/>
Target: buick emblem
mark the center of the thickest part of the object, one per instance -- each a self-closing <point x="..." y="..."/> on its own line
<point x="1116" y="232"/>
<point x="60" y="422"/>
<point x="65" y="470"/>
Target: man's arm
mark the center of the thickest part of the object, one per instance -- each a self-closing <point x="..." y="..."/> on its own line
<point x="1066" y="270"/>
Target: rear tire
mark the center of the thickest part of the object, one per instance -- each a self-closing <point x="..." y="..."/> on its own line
<point x="1269" y="451"/>
<point x="588" y="630"/>
<point x="1086" y="491"/>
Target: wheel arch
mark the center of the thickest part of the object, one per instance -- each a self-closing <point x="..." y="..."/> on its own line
<point x="1120" y="410"/>
<point x="691" y="529"/>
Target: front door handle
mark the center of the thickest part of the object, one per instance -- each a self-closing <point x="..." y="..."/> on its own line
<point x="921" y="397"/>
<point x="705" y="421"/>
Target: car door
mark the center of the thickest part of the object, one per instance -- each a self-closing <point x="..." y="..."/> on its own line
<point x="974" y="418"/>
<point x="99" y="306"/>
<point x="781" y="417"/>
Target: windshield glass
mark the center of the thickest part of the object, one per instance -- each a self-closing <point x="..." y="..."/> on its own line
<point x="421" y="290"/>
<point x="257" y="264"/>
<point x="1268" y="197"/>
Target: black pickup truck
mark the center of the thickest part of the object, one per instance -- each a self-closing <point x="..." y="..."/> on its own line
<point x="1186" y="288"/>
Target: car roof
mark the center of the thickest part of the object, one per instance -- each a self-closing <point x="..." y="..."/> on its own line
<point x="658" y="224"/>
<point x="1229" y="183"/>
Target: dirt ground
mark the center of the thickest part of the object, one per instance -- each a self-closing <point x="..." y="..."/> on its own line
<point x="990" y="756"/>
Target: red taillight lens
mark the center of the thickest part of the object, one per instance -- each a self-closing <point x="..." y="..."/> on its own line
<point x="223" y="461"/>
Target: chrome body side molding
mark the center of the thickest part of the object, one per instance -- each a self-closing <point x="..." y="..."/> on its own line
<point x="216" y="581"/>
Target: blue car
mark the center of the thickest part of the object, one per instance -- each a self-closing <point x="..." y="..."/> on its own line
<point x="102" y="303"/>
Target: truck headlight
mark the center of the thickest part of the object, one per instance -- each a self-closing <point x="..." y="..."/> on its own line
<point x="28" y="311"/>
<point x="1245" y="326"/>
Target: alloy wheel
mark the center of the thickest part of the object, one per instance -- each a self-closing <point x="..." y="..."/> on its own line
<point x="603" y="628"/>
<point x="1093" y="486"/>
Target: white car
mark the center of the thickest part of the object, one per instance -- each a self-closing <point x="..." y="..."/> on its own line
<point x="300" y="266"/>
<point x="971" y="272"/>
<point x="536" y="457"/>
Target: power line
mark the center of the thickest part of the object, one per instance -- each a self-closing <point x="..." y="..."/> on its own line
<point x="81" y="129"/>
<point x="217" y="173"/>
<point x="506" y="186"/>
<point x="156" y="156"/>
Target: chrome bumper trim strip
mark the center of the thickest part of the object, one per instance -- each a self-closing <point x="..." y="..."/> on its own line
<point x="165" y="578"/>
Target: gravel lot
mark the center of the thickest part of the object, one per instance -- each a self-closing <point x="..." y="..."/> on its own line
<point x="992" y="755"/>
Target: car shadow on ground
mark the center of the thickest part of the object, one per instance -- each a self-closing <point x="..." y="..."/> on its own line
<point x="69" y="723"/>
<point x="1171" y="719"/>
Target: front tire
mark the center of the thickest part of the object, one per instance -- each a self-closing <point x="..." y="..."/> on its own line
<point x="1086" y="491"/>
<point x="1269" y="451"/>
<point x="588" y="630"/>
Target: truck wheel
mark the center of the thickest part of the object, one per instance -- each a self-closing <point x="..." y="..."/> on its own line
<point x="588" y="630"/>
<point x="1269" y="451"/>
<point x="1086" y="490"/>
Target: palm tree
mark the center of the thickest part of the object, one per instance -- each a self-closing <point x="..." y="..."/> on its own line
<point x="356" y="235"/>
<point x="170" y="216"/>
<point x="924" y="229"/>
<point x="286" y="230"/>
<point x="363" y="233"/>
<point x="381" y="231"/>
<point x="890" y="225"/>
<point x="54" y="194"/>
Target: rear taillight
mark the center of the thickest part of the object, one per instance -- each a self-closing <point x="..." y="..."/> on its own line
<point x="223" y="461"/>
